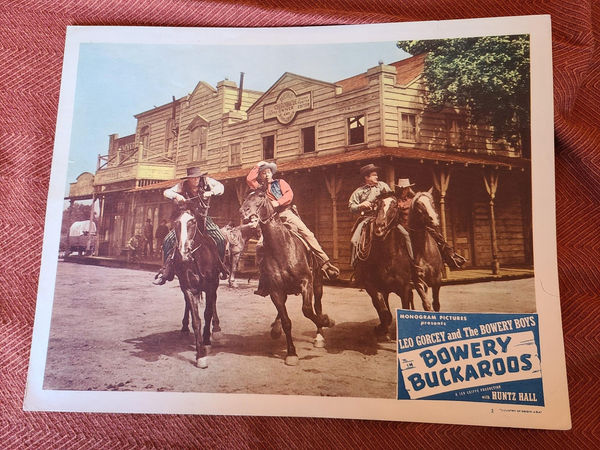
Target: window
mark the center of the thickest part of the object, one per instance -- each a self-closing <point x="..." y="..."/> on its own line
<point x="408" y="127"/>
<point x="308" y="139"/>
<point x="144" y="141"/>
<point x="235" y="154"/>
<point x="198" y="136"/>
<point x="356" y="129"/>
<point x="268" y="146"/>
<point x="170" y="133"/>
<point x="455" y="129"/>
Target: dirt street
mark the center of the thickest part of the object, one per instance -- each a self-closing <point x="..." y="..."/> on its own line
<point x="113" y="330"/>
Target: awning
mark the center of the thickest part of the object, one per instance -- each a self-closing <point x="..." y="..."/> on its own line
<point x="313" y="161"/>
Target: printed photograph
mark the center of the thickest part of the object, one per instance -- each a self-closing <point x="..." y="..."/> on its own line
<point x="246" y="219"/>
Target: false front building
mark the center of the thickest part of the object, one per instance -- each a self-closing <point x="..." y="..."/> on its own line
<point x="320" y="133"/>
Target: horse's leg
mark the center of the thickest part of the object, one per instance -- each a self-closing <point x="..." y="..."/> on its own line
<point x="385" y="317"/>
<point x="435" y="291"/>
<point x="276" y="329"/>
<point x="309" y="312"/>
<point x="185" y="322"/>
<point x="278" y="299"/>
<point x="323" y="318"/>
<point x="194" y="301"/>
<point x="235" y="259"/>
<point x="209" y="315"/>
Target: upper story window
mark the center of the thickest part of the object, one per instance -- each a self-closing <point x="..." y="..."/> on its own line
<point x="356" y="129"/>
<point x="308" y="139"/>
<point x="268" y="146"/>
<point x="235" y="154"/>
<point x="170" y="133"/>
<point x="455" y="130"/>
<point x="198" y="129"/>
<point x="144" y="141"/>
<point x="408" y="127"/>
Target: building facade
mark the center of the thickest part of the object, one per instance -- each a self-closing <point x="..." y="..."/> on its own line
<point x="320" y="134"/>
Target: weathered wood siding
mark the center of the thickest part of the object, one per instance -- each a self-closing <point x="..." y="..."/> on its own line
<point x="433" y="132"/>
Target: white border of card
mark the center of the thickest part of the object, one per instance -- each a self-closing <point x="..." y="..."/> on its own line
<point x="554" y="415"/>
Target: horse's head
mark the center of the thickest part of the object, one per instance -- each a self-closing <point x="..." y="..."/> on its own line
<point x="424" y="209"/>
<point x="386" y="207"/>
<point x="256" y="207"/>
<point x="185" y="230"/>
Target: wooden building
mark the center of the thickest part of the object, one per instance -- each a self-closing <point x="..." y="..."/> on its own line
<point x="319" y="134"/>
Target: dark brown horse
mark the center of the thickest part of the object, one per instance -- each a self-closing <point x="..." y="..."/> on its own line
<point x="422" y="218"/>
<point x="197" y="267"/>
<point x="290" y="269"/>
<point x="386" y="268"/>
<point x="236" y="238"/>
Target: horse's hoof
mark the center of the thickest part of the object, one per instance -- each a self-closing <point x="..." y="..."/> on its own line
<point x="291" y="360"/>
<point x="328" y="322"/>
<point x="208" y="349"/>
<point x="185" y="330"/>
<point x="202" y="363"/>
<point x="319" y="341"/>
<point x="216" y="335"/>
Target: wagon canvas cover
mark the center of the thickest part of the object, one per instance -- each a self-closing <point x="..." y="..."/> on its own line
<point x="320" y="102"/>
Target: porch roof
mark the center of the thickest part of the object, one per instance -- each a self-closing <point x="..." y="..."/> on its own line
<point x="306" y="162"/>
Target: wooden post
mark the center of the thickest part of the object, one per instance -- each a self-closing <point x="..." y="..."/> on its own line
<point x="240" y="191"/>
<point x="389" y="175"/>
<point x="490" y="179"/>
<point x="441" y="180"/>
<point x="334" y="184"/>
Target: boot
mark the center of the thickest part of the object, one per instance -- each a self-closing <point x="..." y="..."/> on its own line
<point x="452" y="258"/>
<point x="166" y="273"/>
<point x="330" y="271"/>
<point x="262" y="288"/>
<point x="418" y="278"/>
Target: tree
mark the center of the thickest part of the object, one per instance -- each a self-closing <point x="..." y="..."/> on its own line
<point x="487" y="76"/>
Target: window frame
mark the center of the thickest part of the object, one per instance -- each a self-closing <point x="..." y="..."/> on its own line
<point x="303" y="140"/>
<point x="230" y="153"/>
<point x="417" y="128"/>
<point x="266" y="136"/>
<point x="348" y="128"/>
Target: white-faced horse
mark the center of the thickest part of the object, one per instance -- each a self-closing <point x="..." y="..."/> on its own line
<point x="197" y="267"/>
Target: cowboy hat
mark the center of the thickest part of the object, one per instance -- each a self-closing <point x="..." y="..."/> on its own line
<point x="193" y="172"/>
<point x="403" y="183"/>
<point x="267" y="165"/>
<point x="366" y="170"/>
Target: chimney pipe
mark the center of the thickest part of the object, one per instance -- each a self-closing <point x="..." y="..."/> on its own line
<point x="238" y="105"/>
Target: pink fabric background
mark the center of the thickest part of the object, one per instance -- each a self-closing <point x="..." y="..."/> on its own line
<point x="32" y="37"/>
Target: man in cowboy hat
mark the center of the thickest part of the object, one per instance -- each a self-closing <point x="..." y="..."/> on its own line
<point x="280" y="194"/>
<point x="196" y="188"/>
<point x="405" y="197"/>
<point x="362" y="201"/>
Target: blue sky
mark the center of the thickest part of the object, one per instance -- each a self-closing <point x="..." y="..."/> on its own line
<point x="116" y="81"/>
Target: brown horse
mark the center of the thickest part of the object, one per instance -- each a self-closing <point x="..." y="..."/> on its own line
<point x="387" y="268"/>
<point x="422" y="219"/>
<point x="236" y="238"/>
<point x="197" y="267"/>
<point x="290" y="269"/>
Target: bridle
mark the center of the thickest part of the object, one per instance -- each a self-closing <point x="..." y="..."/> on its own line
<point x="196" y="230"/>
<point x="388" y="227"/>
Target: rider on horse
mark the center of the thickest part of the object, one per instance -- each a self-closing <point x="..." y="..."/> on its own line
<point x="362" y="201"/>
<point x="405" y="197"/>
<point x="195" y="191"/>
<point x="280" y="194"/>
